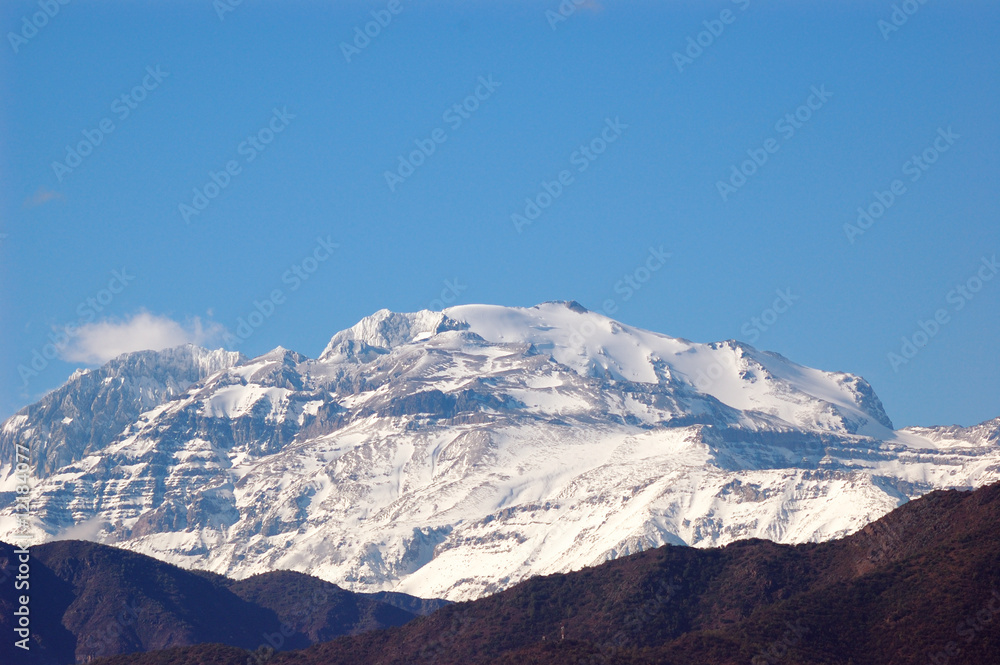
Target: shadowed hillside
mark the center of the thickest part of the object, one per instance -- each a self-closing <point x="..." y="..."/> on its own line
<point x="89" y="600"/>
<point x="919" y="586"/>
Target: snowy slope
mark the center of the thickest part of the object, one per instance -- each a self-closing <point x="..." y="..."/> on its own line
<point x="94" y="406"/>
<point x="451" y="454"/>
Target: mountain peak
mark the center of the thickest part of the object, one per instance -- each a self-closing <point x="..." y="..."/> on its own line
<point x="454" y="453"/>
<point x="385" y="330"/>
<point x="96" y="405"/>
<point x="594" y="345"/>
<point x="571" y="305"/>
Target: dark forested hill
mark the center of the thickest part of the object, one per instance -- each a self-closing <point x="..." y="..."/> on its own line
<point x="920" y="586"/>
<point x="89" y="600"/>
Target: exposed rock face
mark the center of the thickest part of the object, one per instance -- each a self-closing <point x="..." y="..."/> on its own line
<point x="95" y="406"/>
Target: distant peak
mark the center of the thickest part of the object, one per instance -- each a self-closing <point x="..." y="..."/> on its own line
<point x="571" y="305"/>
<point x="182" y="353"/>
<point x="280" y="353"/>
<point x="77" y="373"/>
<point x="386" y="329"/>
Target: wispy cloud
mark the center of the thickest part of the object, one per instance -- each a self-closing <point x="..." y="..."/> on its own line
<point x="86" y="530"/>
<point x="41" y="197"/>
<point x="98" y="342"/>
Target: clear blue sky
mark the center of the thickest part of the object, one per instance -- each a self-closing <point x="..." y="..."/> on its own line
<point x="681" y="131"/>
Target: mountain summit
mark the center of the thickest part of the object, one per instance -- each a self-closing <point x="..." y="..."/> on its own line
<point x="451" y="454"/>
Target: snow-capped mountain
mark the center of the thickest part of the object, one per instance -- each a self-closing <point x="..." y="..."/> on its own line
<point x="452" y="454"/>
<point x="95" y="406"/>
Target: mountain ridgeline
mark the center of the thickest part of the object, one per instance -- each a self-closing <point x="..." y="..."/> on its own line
<point x="90" y="600"/>
<point x="919" y="586"/>
<point x="453" y="454"/>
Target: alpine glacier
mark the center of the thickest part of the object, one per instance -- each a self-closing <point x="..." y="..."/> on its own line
<point x="452" y="454"/>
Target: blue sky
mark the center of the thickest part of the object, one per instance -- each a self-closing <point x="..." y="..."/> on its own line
<point x="616" y="98"/>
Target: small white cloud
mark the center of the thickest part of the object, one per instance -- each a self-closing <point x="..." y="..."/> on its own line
<point x="87" y="530"/>
<point x="41" y="197"/>
<point x="98" y="342"/>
